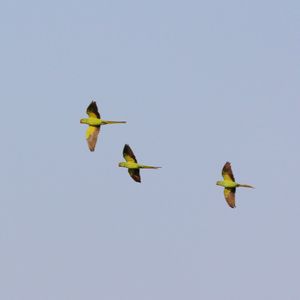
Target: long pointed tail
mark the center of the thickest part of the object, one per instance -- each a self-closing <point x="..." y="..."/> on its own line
<point x="113" y="122"/>
<point x="148" y="167"/>
<point x="246" y="185"/>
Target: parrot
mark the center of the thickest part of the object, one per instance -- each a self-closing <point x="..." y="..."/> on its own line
<point x="95" y="122"/>
<point x="132" y="165"/>
<point x="230" y="185"/>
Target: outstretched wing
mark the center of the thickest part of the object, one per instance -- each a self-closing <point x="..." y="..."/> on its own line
<point x="135" y="174"/>
<point x="229" y="194"/>
<point x="92" y="110"/>
<point x="227" y="172"/>
<point x="128" y="154"/>
<point x="91" y="136"/>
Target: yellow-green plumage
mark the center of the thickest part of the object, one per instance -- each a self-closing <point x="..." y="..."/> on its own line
<point x="132" y="165"/>
<point x="95" y="122"/>
<point x="230" y="185"/>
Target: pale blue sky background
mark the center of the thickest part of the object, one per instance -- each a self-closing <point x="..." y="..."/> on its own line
<point x="200" y="83"/>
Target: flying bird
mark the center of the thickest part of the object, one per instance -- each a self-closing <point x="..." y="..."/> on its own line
<point x="95" y="122"/>
<point x="132" y="165"/>
<point x="230" y="185"/>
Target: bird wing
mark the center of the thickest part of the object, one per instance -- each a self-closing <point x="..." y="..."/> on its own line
<point x="128" y="154"/>
<point x="135" y="174"/>
<point x="227" y="172"/>
<point x="229" y="194"/>
<point x="91" y="136"/>
<point x="92" y="110"/>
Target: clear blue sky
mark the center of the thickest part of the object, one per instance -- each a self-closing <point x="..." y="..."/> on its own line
<point x="200" y="83"/>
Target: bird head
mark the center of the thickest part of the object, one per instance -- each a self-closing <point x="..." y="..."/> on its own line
<point x="122" y="164"/>
<point x="219" y="183"/>
<point x="83" y="121"/>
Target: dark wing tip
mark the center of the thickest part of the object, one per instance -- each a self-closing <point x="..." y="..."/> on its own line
<point x="227" y="164"/>
<point x="135" y="174"/>
<point x="93" y="108"/>
<point x="226" y="167"/>
<point x="92" y="105"/>
<point x="227" y="170"/>
<point x="126" y="149"/>
<point x="230" y="198"/>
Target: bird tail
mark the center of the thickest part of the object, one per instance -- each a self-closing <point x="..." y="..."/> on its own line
<point x="148" y="167"/>
<point x="113" y="122"/>
<point x="246" y="185"/>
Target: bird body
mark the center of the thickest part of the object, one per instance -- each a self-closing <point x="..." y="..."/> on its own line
<point x="227" y="184"/>
<point x="132" y="165"/>
<point x="98" y="122"/>
<point x="230" y="185"/>
<point x="95" y="122"/>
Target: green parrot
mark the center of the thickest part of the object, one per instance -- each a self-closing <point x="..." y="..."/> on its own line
<point x="132" y="165"/>
<point x="94" y="121"/>
<point x="230" y="185"/>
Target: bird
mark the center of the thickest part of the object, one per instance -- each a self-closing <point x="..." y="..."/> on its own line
<point x="132" y="165"/>
<point x="230" y="185"/>
<point x="95" y="122"/>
